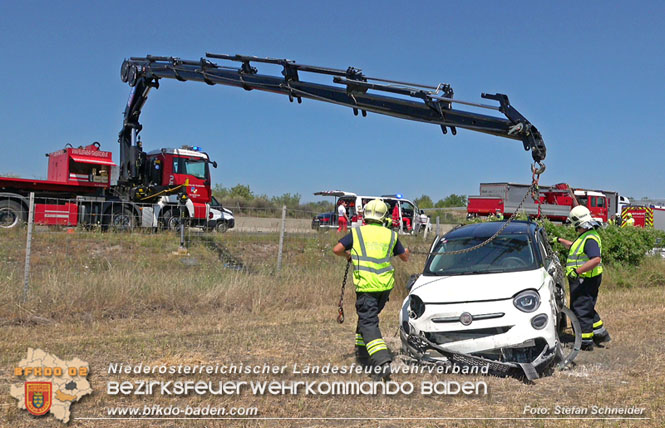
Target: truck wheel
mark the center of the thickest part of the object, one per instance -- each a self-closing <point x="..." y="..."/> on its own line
<point x="12" y="214"/>
<point x="122" y="219"/>
<point x="171" y="219"/>
<point x="221" y="227"/>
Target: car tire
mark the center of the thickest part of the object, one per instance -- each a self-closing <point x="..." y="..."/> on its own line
<point x="221" y="227"/>
<point x="12" y="214"/>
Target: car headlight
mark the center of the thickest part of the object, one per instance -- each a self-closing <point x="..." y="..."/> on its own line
<point x="527" y="301"/>
<point x="416" y="307"/>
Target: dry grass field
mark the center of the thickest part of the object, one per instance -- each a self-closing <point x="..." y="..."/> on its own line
<point x="125" y="298"/>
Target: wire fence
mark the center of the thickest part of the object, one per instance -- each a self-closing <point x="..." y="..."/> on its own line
<point x="47" y="236"/>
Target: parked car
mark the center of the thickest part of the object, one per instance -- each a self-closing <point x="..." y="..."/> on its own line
<point x="221" y="219"/>
<point x="499" y="304"/>
<point x="324" y="220"/>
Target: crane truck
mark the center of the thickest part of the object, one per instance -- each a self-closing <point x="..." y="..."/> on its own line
<point x="168" y="180"/>
<point x="81" y="190"/>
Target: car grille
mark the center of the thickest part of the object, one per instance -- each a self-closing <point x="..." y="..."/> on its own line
<point x="454" y="336"/>
<point x="474" y="317"/>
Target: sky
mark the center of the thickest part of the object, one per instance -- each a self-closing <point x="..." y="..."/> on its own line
<point x="588" y="75"/>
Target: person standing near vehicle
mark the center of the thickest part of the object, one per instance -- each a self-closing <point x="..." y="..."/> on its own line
<point x="499" y="215"/>
<point x="370" y="248"/>
<point x="396" y="217"/>
<point x="629" y="221"/>
<point x="342" y="217"/>
<point x="584" y="270"/>
<point x="423" y="221"/>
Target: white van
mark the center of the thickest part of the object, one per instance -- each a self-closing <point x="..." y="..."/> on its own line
<point x="407" y="210"/>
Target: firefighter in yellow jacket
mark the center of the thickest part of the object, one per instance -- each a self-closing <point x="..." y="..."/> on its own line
<point x="370" y="248"/>
<point x="628" y="221"/>
<point x="584" y="270"/>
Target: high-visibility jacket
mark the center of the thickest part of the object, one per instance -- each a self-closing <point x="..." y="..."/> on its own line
<point x="628" y="222"/>
<point x="373" y="247"/>
<point x="577" y="257"/>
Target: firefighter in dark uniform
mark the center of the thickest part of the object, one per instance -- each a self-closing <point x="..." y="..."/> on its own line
<point x="371" y="247"/>
<point x="585" y="271"/>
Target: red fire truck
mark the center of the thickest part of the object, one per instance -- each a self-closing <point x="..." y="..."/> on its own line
<point x="82" y="189"/>
<point x="555" y="202"/>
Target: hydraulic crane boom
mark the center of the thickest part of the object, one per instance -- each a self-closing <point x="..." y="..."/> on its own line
<point x="431" y="104"/>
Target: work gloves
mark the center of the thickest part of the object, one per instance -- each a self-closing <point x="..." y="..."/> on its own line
<point x="554" y="240"/>
<point x="573" y="275"/>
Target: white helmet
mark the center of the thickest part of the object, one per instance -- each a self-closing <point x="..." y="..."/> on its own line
<point x="375" y="209"/>
<point x="579" y="216"/>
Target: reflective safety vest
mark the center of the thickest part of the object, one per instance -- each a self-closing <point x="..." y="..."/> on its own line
<point x="372" y="250"/>
<point x="577" y="257"/>
<point x="628" y="222"/>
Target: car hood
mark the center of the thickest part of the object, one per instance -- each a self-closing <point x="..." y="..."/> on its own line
<point x="469" y="288"/>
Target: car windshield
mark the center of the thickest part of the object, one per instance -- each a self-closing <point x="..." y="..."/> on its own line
<point x="506" y="253"/>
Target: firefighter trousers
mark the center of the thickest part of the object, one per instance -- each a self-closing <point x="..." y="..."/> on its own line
<point x="370" y="346"/>
<point x="583" y="297"/>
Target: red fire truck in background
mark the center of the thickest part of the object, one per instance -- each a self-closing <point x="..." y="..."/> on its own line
<point x="555" y="202"/>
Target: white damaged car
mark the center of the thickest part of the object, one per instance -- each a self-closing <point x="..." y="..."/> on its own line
<point x="501" y="304"/>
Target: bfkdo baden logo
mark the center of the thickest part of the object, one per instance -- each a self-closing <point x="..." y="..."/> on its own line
<point x="50" y="385"/>
<point x="38" y="397"/>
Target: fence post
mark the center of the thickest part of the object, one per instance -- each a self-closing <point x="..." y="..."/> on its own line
<point x="28" y="247"/>
<point x="426" y="227"/>
<point x="182" y="234"/>
<point x="437" y="226"/>
<point x="281" y="238"/>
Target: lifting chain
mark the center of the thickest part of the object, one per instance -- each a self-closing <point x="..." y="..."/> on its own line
<point x="340" y="305"/>
<point x="531" y="191"/>
<point x="535" y="177"/>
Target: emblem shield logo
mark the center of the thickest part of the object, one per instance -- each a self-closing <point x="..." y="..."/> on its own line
<point x="38" y="397"/>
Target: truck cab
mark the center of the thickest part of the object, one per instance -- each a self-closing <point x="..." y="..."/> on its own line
<point x="187" y="165"/>
<point x="596" y="202"/>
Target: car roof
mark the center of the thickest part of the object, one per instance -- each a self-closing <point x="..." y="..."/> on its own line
<point x="487" y="229"/>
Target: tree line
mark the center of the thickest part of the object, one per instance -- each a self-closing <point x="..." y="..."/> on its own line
<point x="449" y="201"/>
<point x="242" y="200"/>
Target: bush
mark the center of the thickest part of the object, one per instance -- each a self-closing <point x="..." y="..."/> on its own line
<point x="621" y="246"/>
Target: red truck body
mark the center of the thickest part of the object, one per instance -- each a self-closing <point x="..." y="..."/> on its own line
<point x="554" y="203"/>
